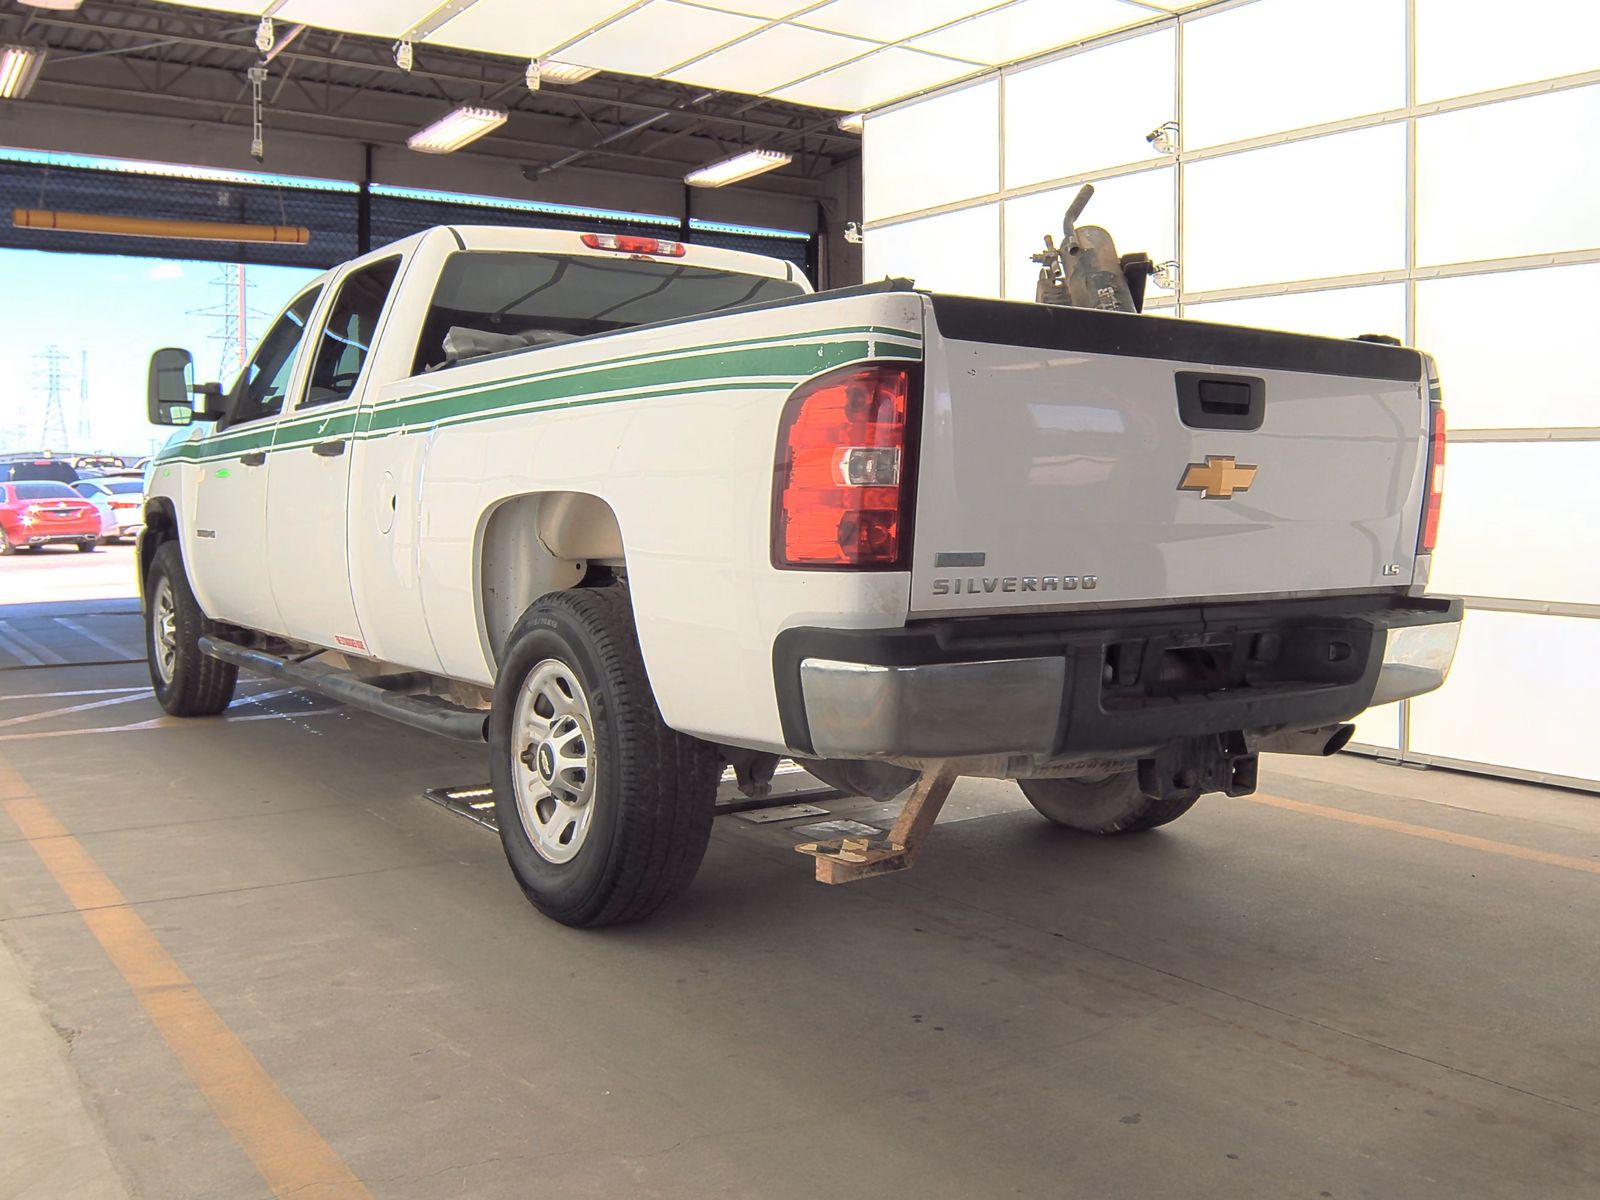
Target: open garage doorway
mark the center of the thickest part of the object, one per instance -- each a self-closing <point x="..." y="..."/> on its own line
<point x="76" y="350"/>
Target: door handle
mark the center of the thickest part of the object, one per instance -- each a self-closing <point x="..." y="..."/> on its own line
<point x="329" y="449"/>
<point x="254" y="459"/>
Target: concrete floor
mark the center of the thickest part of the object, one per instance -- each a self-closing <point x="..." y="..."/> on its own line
<point x="1263" y="1000"/>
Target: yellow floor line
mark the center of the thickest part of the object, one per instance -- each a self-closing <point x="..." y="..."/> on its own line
<point x="1466" y="840"/>
<point x="284" y="1147"/>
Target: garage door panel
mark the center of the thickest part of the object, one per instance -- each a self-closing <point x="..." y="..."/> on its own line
<point x="1521" y="694"/>
<point x="1508" y="524"/>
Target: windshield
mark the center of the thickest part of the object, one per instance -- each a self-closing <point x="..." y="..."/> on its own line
<point x="124" y="487"/>
<point x="44" y="491"/>
<point x="515" y="299"/>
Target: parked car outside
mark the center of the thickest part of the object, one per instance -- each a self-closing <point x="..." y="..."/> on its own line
<point x="42" y="468"/>
<point x="108" y="517"/>
<point x="123" y="495"/>
<point x="37" y="513"/>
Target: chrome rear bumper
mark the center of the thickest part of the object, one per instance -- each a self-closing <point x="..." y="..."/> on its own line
<point x="1066" y="702"/>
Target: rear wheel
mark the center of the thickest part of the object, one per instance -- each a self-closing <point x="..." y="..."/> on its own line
<point x="89" y="544"/>
<point x="1110" y="803"/>
<point x="6" y="548"/>
<point x="187" y="682"/>
<point x="604" y="812"/>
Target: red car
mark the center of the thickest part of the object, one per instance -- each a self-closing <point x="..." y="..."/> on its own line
<point x="35" y="514"/>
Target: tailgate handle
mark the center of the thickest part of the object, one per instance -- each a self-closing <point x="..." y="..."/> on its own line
<point x="1210" y="401"/>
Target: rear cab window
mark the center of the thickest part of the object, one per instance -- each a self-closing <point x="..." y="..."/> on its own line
<point x="491" y="301"/>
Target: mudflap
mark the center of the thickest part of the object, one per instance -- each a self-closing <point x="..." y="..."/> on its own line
<point x="1190" y="767"/>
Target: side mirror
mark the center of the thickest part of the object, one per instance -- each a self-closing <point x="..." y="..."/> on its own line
<point x="171" y="388"/>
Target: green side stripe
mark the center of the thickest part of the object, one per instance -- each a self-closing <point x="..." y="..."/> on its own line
<point x="779" y="339"/>
<point x="779" y="363"/>
<point x="746" y="365"/>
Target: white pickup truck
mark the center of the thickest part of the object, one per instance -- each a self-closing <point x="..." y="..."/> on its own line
<point x="631" y="511"/>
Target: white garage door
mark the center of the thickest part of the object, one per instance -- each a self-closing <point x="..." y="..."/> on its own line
<point x="1415" y="167"/>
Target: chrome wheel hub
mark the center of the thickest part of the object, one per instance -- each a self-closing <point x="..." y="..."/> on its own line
<point x="554" y="770"/>
<point x="164" y="627"/>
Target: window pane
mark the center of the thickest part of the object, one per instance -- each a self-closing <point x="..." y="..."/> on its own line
<point x="1379" y="727"/>
<point x="261" y="385"/>
<point x="1342" y="312"/>
<point x="1137" y="210"/>
<point x="958" y="252"/>
<point x="1285" y="64"/>
<point x="1466" y="46"/>
<point x="1521" y="694"/>
<point x="1515" y="517"/>
<point x="932" y="153"/>
<point x="1500" y="180"/>
<point x="1309" y="210"/>
<point x="1041" y="144"/>
<point x="1515" y="349"/>
<point x="347" y="335"/>
<point x="491" y="301"/>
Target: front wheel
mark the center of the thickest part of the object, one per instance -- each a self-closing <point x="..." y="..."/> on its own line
<point x="1108" y="804"/>
<point x="187" y="682"/>
<point x="604" y="812"/>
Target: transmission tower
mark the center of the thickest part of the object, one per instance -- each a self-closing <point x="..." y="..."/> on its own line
<point x="233" y="313"/>
<point x="83" y="400"/>
<point x="50" y="379"/>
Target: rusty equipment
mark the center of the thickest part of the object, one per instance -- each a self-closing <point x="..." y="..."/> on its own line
<point x="1084" y="271"/>
<point x="846" y="860"/>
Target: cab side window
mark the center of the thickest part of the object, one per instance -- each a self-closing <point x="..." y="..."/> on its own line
<point x="347" y="337"/>
<point x="261" y="385"/>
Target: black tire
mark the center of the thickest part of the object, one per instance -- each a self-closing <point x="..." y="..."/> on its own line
<point x="196" y="684"/>
<point x="86" y="547"/>
<point x="1111" y="804"/>
<point x="651" y="791"/>
<point x="6" y="548"/>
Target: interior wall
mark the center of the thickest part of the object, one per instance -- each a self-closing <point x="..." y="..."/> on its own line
<point x="1444" y="192"/>
<point x="179" y="141"/>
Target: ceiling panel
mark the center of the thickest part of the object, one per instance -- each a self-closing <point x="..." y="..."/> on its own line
<point x="876" y="79"/>
<point x="771" y="59"/>
<point x="377" y="18"/>
<point x="892" y="20"/>
<point x="1030" y="27"/>
<point x="770" y="9"/>
<point x="658" y="37"/>
<point x="504" y="27"/>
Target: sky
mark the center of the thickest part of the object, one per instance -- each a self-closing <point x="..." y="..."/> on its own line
<point x="109" y="313"/>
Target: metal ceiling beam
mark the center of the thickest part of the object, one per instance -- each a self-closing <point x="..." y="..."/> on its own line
<point x="568" y="94"/>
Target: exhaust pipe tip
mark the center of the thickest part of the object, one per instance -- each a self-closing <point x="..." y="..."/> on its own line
<point x="1318" y="743"/>
<point x="1340" y="739"/>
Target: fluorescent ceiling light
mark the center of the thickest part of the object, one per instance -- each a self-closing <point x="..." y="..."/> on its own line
<point x="19" y="67"/>
<point x="56" y="5"/>
<point x="853" y="123"/>
<point x="455" y="129"/>
<point x="552" y="71"/>
<point x="740" y="166"/>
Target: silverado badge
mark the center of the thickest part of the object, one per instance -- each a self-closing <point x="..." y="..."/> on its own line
<point x="1218" y="478"/>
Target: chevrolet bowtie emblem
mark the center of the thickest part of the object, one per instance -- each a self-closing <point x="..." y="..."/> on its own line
<point x="1218" y="478"/>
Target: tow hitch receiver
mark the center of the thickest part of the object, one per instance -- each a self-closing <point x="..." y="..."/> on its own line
<point x="849" y="859"/>
<point x="1189" y="767"/>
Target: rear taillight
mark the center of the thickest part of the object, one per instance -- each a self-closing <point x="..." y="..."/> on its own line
<point x="1435" y="481"/>
<point x="841" y="492"/>
<point x="627" y="244"/>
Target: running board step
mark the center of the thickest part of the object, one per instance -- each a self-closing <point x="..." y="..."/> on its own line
<point x="419" y="712"/>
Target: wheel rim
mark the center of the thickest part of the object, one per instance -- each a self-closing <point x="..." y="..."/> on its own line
<point x="553" y="770"/>
<point x="164" y="629"/>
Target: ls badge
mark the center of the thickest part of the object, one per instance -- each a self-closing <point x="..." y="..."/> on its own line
<point x="1218" y="478"/>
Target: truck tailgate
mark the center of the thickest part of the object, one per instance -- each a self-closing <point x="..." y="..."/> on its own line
<point x="1071" y="458"/>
